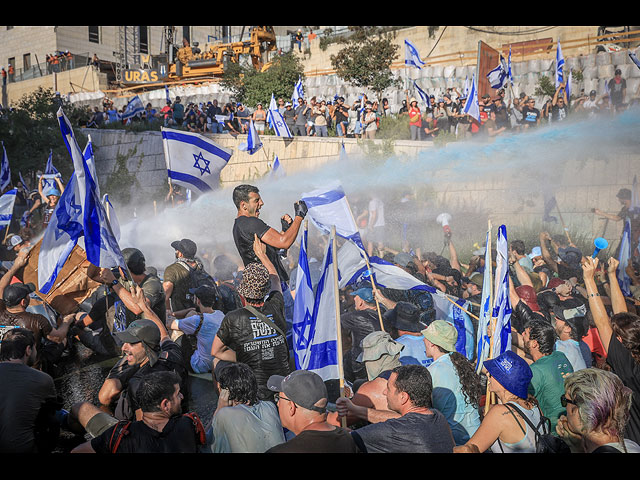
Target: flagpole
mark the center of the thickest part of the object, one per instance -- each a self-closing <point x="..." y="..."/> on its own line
<point x="373" y="283"/>
<point x="488" y="395"/>
<point x="338" y="323"/>
<point x="564" y="227"/>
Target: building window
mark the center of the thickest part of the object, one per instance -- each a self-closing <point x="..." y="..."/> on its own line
<point x="94" y="34"/>
<point x="144" y="39"/>
<point x="26" y="61"/>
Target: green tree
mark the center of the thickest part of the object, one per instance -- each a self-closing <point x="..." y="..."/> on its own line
<point x="30" y="131"/>
<point x="366" y="58"/>
<point x="252" y="87"/>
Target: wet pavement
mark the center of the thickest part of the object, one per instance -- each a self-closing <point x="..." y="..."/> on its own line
<point x="80" y="375"/>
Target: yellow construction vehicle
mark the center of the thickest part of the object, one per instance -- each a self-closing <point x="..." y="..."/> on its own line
<point x="192" y="62"/>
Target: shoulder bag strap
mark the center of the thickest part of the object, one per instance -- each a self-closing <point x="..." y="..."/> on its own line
<point x="526" y="419"/>
<point x="199" y="324"/>
<point x="264" y="318"/>
<point x="514" y="416"/>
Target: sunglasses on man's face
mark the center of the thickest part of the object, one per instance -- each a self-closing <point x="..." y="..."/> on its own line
<point x="564" y="401"/>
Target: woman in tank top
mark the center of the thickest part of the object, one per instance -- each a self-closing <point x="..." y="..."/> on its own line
<point x="503" y="429"/>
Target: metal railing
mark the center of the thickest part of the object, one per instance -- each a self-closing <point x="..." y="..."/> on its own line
<point x="42" y="69"/>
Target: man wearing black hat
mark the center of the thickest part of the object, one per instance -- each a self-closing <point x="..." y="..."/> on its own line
<point x="50" y="341"/>
<point x="404" y="319"/>
<point x="177" y="276"/>
<point x="302" y="404"/>
<point x="618" y="90"/>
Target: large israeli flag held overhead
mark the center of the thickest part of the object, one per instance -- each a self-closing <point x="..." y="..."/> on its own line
<point x="193" y="161"/>
<point x="100" y="244"/>
<point x="253" y="143"/>
<point x="5" y="171"/>
<point x="501" y="313"/>
<point x="352" y="268"/>
<point x="411" y="55"/>
<point x="61" y="235"/>
<point x="298" y="92"/>
<point x="315" y="338"/>
<point x="7" y="201"/>
<point x="50" y="173"/>
<point x="328" y="207"/>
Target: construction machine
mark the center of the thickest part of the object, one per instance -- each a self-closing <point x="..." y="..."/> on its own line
<point x="192" y="62"/>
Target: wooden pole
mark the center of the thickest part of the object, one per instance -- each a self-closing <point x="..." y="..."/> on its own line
<point x="337" y="304"/>
<point x="564" y="227"/>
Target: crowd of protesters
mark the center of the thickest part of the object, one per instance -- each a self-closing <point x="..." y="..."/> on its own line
<point x="569" y="381"/>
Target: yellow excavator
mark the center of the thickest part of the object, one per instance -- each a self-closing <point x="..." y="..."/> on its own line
<point x="192" y="62"/>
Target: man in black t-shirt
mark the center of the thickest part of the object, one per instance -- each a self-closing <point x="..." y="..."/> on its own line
<point x="247" y="224"/>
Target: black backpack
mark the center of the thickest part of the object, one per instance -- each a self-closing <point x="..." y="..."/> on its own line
<point x="545" y="441"/>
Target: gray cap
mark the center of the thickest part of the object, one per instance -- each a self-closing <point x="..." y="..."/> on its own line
<point x="302" y="387"/>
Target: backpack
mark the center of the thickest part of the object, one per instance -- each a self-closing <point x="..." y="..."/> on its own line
<point x="197" y="277"/>
<point x="545" y="441"/>
<point x="122" y="430"/>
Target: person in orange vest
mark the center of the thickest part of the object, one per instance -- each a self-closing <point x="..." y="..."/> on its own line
<point x="11" y="73"/>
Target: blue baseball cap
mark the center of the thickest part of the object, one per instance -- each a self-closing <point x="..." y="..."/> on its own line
<point x="364" y="293"/>
<point x="53" y="191"/>
<point x="511" y="371"/>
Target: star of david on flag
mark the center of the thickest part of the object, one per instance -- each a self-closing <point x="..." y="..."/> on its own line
<point x="193" y="160"/>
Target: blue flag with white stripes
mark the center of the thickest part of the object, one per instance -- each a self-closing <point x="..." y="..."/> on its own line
<point x="193" y="160"/>
<point x="7" y="201"/>
<point x="315" y="337"/>
<point x="411" y="55"/>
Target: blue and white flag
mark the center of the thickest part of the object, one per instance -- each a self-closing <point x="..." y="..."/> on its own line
<point x="7" y="201"/>
<point x="501" y="313"/>
<point x="61" y="236"/>
<point x="509" y="67"/>
<point x="111" y="216"/>
<point x="5" y="170"/>
<point x="276" y="120"/>
<point x="466" y="87"/>
<point x="193" y="161"/>
<point x="23" y="181"/>
<point x="166" y="93"/>
<point x="315" y="336"/>
<point x="329" y="207"/>
<point x="624" y="256"/>
<point x="133" y="108"/>
<point x="635" y="196"/>
<point x="498" y="76"/>
<point x="253" y="143"/>
<point x="343" y="153"/>
<point x="634" y="59"/>
<point x="559" y="66"/>
<point x="90" y="160"/>
<point x="411" y="55"/>
<point x="352" y="269"/>
<point x="471" y="107"/>
<point x="50" y="174"/>
<point x="423" y="94"/>
<point x="100" y="244"/>
<point x="568" y="86"/>
<point x="298" y="92"/>
<point x="276" y="170"/>
<point x="484" y="321"/>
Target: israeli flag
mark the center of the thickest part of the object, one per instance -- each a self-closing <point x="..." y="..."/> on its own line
<point x="7" y="202"/>
<point x="509" y="67"/>
<point x="111" y="216"/>
<point x="483" y="335"/>
<point x="298" y="92"/>
<point x="315" y="337"/>
<point x="276" y="120"/>
<point x="276" y="169"/>
<point x="193" y="161"/>
<point x="100" y="244"/>
<point x="5" y="171"/>
<point x="253" y="143"/>
<point x="559" y="66"/>
<point x="624" y="256"/>
<point x="471" y="107"/>
<point x="23" y="181"/>
<point x="411" y="55"/>
<point x="352" y="269"/>
<point x="329" y="207"/>
<point x="133" y="108"/>
<point x="343" y="153"/>
<point x="568" y="88"/>
<point x="501" y="313"/>
<point x="465" y="89"/>
<point x="498" y="76"/>
<point x="166" y="93"/>
<point x="423" y="95"/>
<point x="61" y="236"/>
<point x="50" y="173"/>
<point x="634" y="59"/>
<point x="90" y="160"/>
